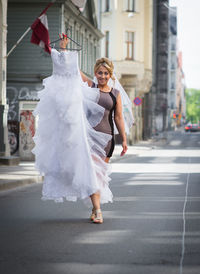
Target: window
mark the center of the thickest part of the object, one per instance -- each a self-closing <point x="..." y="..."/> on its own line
<point x="87" y="55"/>
<point x="89" y="43"/>
<point x="90" y="57"/>
<point x="129" y="40"/>
<point x="107" y="5"/>
<point x="70" y="33"/>
<point x="95" y="54"/>
<point x="81" y="51"/>
<point x="76" y="37"/>
<point x="173" y="48"/>
<point x="107" y="44"/>
<point x="130" y="5"/>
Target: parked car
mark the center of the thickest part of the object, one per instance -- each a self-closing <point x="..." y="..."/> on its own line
<point x="192" y="128"/>
<point x="188" y="127"/>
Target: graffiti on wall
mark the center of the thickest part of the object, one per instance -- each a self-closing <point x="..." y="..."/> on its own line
<point x="27" y="131"/>
<point x="13" y="136"/>
<point x="14" y="95"/>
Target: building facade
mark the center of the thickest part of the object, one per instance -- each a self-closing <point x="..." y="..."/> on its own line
<point x="159" y="91"/>
<point x="180" y="93"/>
<point x="28" y="64"/>
<point x="176" y="79"/>
<point x="172" y="68"/>
<point x="127" y="29"/>
<point x="4" y="145"/>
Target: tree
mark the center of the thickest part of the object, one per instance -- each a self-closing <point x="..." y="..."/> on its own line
<point x="193" y="105"/>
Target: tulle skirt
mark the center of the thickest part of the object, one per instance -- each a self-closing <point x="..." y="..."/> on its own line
<point x="69" y="153"/>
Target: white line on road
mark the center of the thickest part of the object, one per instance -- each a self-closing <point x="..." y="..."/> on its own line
<point x="154" y="168"/>
<point x="184" y="220"/>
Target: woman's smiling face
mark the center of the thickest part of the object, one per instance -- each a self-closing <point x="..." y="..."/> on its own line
<point x="102" y="75"/>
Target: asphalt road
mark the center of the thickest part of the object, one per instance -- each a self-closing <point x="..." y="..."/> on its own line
<point x="152" y="227"/>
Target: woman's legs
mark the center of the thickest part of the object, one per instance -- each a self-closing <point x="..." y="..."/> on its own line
<point x="96" y="215"/>
<point x="95" y="198"/>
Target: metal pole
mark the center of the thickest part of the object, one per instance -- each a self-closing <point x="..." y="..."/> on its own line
<point x="18" y="41"/>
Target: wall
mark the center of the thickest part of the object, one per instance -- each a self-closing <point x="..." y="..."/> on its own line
<point x="4" y="145"/>
<point x="28" y="64"/>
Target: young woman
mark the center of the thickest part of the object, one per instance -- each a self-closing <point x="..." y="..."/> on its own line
<point x="110" y="99"/>
<point x="73" y="153"/>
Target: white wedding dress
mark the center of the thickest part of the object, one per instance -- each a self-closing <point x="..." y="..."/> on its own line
<point x="68" y="151"/>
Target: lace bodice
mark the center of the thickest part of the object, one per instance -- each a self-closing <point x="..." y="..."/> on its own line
<point x="64" y="63"/>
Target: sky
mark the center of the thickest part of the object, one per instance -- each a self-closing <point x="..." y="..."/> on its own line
<point x="188" y="19"/>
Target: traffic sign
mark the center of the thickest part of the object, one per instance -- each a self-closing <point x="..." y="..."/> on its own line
<point x="137" y="101"/>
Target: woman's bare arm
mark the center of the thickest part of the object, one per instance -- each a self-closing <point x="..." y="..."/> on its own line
<point x="86" y="79"/>
<point x="119" y="121"/>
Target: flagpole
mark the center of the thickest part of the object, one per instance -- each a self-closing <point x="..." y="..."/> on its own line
<point x="18" y="41"/>
<point x="50" y="4"/>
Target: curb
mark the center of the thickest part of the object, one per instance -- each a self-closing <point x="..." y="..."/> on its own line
<point x="12" y="184"/>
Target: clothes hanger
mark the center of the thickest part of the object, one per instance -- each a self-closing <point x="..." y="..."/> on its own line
<point x="64" y="35"/>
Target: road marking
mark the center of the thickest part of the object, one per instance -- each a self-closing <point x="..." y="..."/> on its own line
<point x="184" y="220"/>
<point x="158" y="199"/>
<point x="148" y="183"/>
<point x="154" y="168"/>
<point x="161" y="152"/>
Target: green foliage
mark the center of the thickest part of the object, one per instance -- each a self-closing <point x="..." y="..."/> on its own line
<point x="193" y="105"/>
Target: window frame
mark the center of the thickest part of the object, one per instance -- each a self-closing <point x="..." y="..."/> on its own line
<point x="129" y="44"/>
<point x="107" y="36"/>
<point x="105" y="6"/>
<point x="130" y="3"/>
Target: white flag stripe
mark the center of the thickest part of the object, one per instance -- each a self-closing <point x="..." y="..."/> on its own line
<point x="43" y="20"/>
<point x="42" y="44"/>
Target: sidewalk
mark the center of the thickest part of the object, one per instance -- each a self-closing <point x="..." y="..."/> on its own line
<point x="16" y="176"/>
<point x="25" y="173"/>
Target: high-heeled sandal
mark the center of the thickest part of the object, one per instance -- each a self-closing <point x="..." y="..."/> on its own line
<point x="92" y="216"/>
<point x="98" y="218"/>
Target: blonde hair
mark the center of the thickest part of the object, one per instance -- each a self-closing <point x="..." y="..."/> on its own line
<point x="107" y="64"/>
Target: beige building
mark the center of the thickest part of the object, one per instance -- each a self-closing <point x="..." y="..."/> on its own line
<point x="127" y="26"/>
<point x="180" y="92"/>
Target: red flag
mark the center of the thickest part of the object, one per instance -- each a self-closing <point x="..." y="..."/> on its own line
<point x="40" y="34"/>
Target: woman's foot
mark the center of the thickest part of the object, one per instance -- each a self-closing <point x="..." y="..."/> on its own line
<point x="98" y="217"/>
<point x="92" y="216"/>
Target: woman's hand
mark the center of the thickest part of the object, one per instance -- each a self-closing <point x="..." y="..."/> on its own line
<point x="64" y="41"/>
<point x="125" y="148"/>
